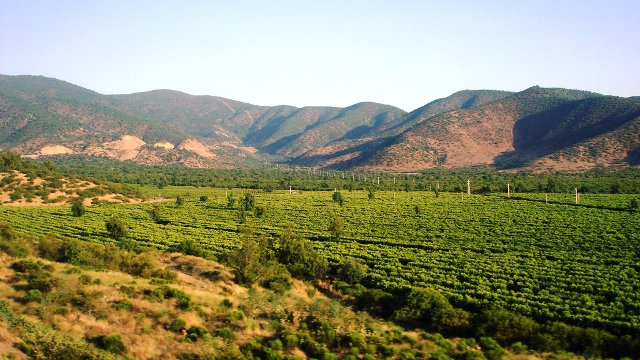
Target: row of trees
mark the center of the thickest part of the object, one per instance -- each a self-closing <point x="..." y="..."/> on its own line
<point x="483" y="179"/>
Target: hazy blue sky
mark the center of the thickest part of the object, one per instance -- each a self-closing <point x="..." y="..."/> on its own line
<point x="402" y="53"/>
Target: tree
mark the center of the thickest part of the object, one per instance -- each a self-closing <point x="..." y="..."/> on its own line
<point x="371" y="192"/>
<point x="231" y="201"/>
<point x="551" y="186"/>
<point x="116" y="228"/>
<point x="351" y="271"/>
<point x="422" y="307"/>
<point x="336" y="228"/>
<point x="299" y="256"/>
<point x="204" y="198"/>
<point x="248" y="202"/>
<point x="242" y="216"/>
<point x="337" y="197"/>
<point x="179" y="200"/>
<point x="77" y="209"/>
<point x="249" y="260"/>
<point x="633" y="204"/>
<point x="156" y="214"/>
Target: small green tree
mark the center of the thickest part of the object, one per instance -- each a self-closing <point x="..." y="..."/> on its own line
<point x="417" y="209"/>
<point x="633" y="205"/>
<point x="337" y="197"/>
<point x="77" y="208"/>
<point x="336" y="228"/>
<point x="204" y="198"/>
<point x="371" y="192"/>
<point x="351" y="271"/>
<point x="156" y="214"/>
<point x="242" y="216"/>
<point x="116" y="228"/>
<point x="231" y="201"/>
<point x="248" y="261"/>
<point x="179" y="200"/>
<point x="299" y="256"/>
<point x="248" y="202"/>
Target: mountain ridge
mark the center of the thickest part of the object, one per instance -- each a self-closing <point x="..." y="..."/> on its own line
<point x="529" y="129"/>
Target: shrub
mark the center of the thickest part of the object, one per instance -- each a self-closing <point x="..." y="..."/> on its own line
<point x="123" y="304"/>
<point x="337" y="197"/>
<point x="235" y="315"/>
<point x="6" y="232"/>
<point x="84" y="279"/>
<point x="196" y="332"/>
<point x="336" y="228"/>
<point x="77" y="209"/>
<point x="226" y="333"/>
<point x="62" y="310"/>
<point x="351" y="271"/>
<point x="165" y="274"/>
<point x="110" y="343"/>
<point x="32" y="296"/>
<point x="116" y="228"/>
<point x="178" y="325"/>
<point x="491" y="348"/>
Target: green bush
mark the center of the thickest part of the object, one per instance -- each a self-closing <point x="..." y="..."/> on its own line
<point x="351" y="271"/>
<point x="116" y="228"/>
<point x="84" y="279"/>
<point x="61" y="310"/>
<point x="77" y="208"/>
<point x="235" y="315"/>
<point x="110" y="343"/>
<point x="32" y="296"/>
<point x="123" y="304"/>
<point x="178" y="325"/>
<point x="7" y="232"/>
<point x="226" y="333"/>
<point x="492" y="350"/>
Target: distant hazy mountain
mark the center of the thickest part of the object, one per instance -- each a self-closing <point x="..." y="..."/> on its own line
<point x="540" y="129"/>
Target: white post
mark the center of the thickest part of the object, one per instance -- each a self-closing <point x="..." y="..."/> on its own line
<point x="394" y="180"/>
<point x="289" y="190"/>
<point x="353" y="177"/>
<point x="546" y="198"/>
<point x="378" y="180"/>
<point x="438" y="185"/>
<point x="508" y="192"/>
<point x="577" y="196"/>
<point x="468" y="187"/>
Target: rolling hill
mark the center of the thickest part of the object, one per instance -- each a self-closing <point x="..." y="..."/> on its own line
<point x="539" y="129"/>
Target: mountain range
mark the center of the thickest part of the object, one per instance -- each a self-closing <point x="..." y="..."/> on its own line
<point x="541" y="129"/>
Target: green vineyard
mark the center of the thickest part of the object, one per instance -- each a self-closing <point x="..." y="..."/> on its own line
<point x="548" y="259"/>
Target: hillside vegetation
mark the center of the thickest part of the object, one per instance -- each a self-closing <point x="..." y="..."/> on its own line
<point x="538" y="129"/>
<point x="27" y="183"/>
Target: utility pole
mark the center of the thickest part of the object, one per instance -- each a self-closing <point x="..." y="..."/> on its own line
<point x="508" y="192"/>
<point x="468" y="187"/>
<point x="378" y="180"/>
<point x="577" y="197"/>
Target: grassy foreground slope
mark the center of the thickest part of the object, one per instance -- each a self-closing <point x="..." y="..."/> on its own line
<point x="113" y="304"/>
